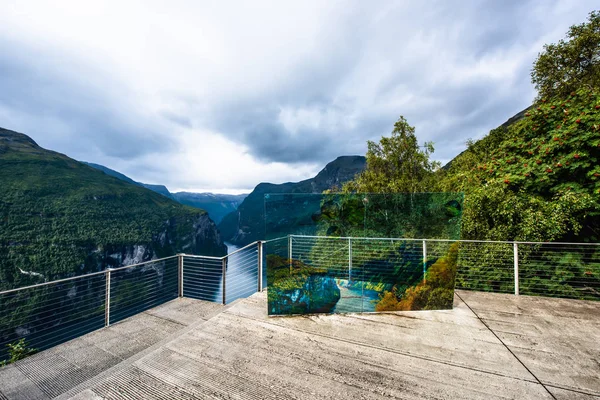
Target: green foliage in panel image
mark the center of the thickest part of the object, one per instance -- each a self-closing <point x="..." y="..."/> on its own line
<point x="381" y="215"/>
<point x="339" y="253"/>
<point x="434" y="292"/>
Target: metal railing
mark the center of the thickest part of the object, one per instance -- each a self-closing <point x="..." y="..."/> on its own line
<point x="202" y="278"/>
<point x="53" y="312"/>
<point x="50" y="313"/>
<point x="553" y="269"/>
<point x="568" y="270"/>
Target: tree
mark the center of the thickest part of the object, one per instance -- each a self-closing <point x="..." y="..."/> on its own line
<point x="396" y="164"/>
<point x="570" y="64"/>
<point x="539" y="179"/>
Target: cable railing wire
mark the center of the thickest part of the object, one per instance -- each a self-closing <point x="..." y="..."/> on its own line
<point x="241" y="273"/>
<point x="52" y="312"/>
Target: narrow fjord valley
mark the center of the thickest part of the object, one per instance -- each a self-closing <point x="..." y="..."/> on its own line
<point x="247" y="223"/>
<point x="62" y="218"/>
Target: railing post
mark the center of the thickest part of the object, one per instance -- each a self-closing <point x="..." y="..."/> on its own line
<point x="107" y="298"/>
<point x="260" y="265"/>
<point x="180" y="273"/>
<point x="290" y="251"/>
<point x="349" y="260"/>
<point x="424" y="259"/>
<point x="516" y="260"/>
<point x="224" y="278"/>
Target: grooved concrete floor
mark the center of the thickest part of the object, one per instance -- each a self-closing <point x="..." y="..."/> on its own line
<point x="488" y="346"/>
<point x="58" y="370"/>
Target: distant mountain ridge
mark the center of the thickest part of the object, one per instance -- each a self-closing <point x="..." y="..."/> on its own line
<point x="246" y="224"/>
<point x="217" y="205"/>
<point x="112" y="172"/>
<point x="160" y="189"/>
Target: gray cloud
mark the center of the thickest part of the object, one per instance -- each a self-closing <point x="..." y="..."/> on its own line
<point x="65" y="111"/>
<point x="181" y="120"/>
<point x="284" y="83"/>
<point x="476" y="31"/>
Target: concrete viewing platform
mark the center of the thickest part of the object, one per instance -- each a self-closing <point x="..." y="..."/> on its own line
<point x="488" y="346"/>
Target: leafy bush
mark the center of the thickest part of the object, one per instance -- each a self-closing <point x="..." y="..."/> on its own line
<point x="18" y="351"/>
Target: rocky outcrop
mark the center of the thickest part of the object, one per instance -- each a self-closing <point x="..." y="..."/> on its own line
<point x="202" y="239"/>
<point x="206" y="239"/>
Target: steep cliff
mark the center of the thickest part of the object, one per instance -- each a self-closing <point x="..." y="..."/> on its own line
<point x="247" y="224"/>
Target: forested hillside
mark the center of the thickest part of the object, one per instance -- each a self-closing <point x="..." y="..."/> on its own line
<point x="536" y="177"/>
<point x="217" y="205"/>
<point x="59" y="218"/>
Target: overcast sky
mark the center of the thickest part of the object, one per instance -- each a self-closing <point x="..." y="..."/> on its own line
<point x="219" y="96"/>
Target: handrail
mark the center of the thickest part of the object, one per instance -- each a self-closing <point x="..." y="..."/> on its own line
<point x="196" y="256"/>
<point x="222" y="257"/>
<point x="272" y="240"/>
<point x="86" y="275"/>
<point x="283" y="237"/>
<point x="439" y="240"/>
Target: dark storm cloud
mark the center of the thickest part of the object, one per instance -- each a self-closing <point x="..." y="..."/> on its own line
<point x="271" y="142"/>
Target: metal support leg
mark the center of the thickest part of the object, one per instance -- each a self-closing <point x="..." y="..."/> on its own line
<point x="260" y="265"/>
<point x="424" y="260"/>
<point x="107" y="299"/>
<point x="516" y="260"/>
<point x="224" y="278"/>
<point x="180" y="274"/>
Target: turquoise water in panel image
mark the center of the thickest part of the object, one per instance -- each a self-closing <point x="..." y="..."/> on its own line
<point x="344" y="253"/>
<point x="355" y="299"/>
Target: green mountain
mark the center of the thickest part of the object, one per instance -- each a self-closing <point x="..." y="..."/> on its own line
<point x="217" y="205"/>
<point x="247" y="224"/>
<point x="60" y="217"/>
<point x="112" y="172"/>
<point x="493" y="138"/>
<point x="160" y="189"/>
<point x="536" y="177"/>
